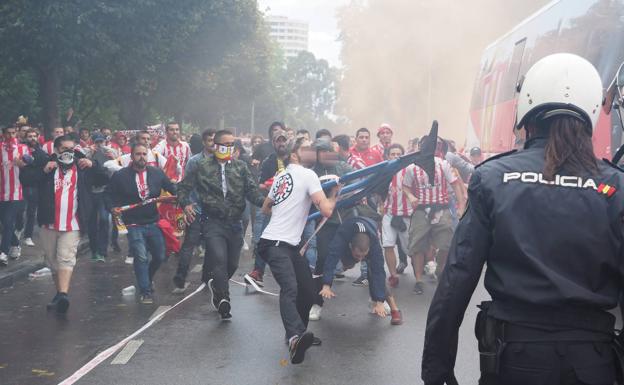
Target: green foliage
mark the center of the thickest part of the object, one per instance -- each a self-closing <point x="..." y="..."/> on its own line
<point x="310" y="92"/>
<point x="123" y="63"/>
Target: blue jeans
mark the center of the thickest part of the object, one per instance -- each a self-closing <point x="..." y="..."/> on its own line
<point x="259" y="225"/>
<point x="311" y="253"/>
<point x="8" y="216"/>
<point x="144" y="239"/>
<point x="99" y="223"/>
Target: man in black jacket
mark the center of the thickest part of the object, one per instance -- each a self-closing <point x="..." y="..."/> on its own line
<point x="134" y="184"/>
<point x="64" y="182"/>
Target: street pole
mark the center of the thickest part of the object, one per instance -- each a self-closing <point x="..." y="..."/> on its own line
<point x="253" y="113"/>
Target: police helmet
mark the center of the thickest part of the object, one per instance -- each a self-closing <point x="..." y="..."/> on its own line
<point x="560" y="84"/>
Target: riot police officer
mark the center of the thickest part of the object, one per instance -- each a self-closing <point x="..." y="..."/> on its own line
<point x="548" y="220"/>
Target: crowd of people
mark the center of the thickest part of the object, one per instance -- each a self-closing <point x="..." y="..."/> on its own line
<point x="76" y="182"/>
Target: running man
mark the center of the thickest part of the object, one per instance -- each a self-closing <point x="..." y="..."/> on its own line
<point x="288" y="202"/>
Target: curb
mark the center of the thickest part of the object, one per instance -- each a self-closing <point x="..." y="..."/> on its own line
<point x="22" y="272"/>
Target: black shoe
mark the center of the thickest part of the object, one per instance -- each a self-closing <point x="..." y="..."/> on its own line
<point x="224" y="309"/>
<point x="62" y="303"/>
<point x="419" y="288"/>
<point x="178" y="282"/>
<point x="316" y="341"/>
<point x="298" y="347"/>
<point x="54" y="301"/>
<point x="146" y="299"/>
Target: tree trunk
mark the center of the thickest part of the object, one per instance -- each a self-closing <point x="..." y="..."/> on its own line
<point x="49" y="94"/>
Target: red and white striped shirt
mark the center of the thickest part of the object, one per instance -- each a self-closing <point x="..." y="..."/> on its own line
<point x="142" y="187"/>
<point x="66" y="200"/>
<point x="397" y="203"/>
<point x="379" y="148"/>
<point x="437" y="194"/>
<point x="356" y="162"/>
<point x="48" y="147"/>
<point x="181" y="151"/>
<point x="10" y="186"/>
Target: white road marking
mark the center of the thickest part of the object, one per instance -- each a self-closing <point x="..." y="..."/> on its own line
<point x="161" y="309"/>
<point x="127" y="352"/>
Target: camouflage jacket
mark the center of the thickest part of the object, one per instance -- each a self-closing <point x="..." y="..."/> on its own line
<point x="205" y="179"/>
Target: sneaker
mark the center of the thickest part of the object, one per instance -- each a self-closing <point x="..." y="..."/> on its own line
<point x="29" y="242"/>
<point x="98" y="258"/>
<point x="298" y="346"/>
<point x="4" y="259"/>
<point x="315" y="312"/>
<point x="401" y="267"/>
<point x="212" y="294"/>
<point x="360" y="282"/>
<point x="397" y="317"/>
<point x="180" y="290"/>
<point x="54" y="301"/>
<point x="146" y="299"/>
<point x="129" y="261"/>
<point x="419" y="288"/>
<point x="15" y="252"/>
<point x="316" y="341"/>
<point x="224" y="309"/>
<point x="256" y="275"/>
<point x="62" y="304"/>
<point x="393" y="281"/>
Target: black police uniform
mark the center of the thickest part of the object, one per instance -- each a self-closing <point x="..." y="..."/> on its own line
<point x="554" y="268"/>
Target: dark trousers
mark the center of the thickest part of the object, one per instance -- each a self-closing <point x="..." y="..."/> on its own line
<point x="555" y="363"/>
<point x="323" y="239"/>
<point x="99" y="223"/>
<point x="224" y="242"/>
<point x="297" y="289"/>
<point x="193" y="236"/>
<point x="9" y="211"/>
<point x="402" y="255"/>
<point x="31" y="196"/>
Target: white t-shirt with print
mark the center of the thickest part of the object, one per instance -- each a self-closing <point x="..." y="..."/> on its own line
<point x="291" y="193"/>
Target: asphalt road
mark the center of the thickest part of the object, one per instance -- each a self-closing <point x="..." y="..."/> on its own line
<point x="190" y="345"/>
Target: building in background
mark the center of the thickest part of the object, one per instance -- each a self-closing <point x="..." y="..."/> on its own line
<point x="290" y="34"/>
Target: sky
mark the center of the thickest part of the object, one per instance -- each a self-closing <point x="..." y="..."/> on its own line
<point x="321" y="15"/>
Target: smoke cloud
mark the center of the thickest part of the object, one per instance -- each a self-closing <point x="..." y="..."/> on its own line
<point x="407" y="62"/>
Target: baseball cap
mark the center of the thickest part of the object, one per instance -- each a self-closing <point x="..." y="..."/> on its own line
<point x="97" y="137"/>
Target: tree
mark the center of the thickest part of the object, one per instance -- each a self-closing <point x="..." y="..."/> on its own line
<point x="310" y="92"/>
<point x="123" y="63"/>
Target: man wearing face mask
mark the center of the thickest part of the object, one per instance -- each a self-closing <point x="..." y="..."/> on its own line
<point x="135" y="184"/>
<point x="222" y="184"/>
<point x="64" y="182"/>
